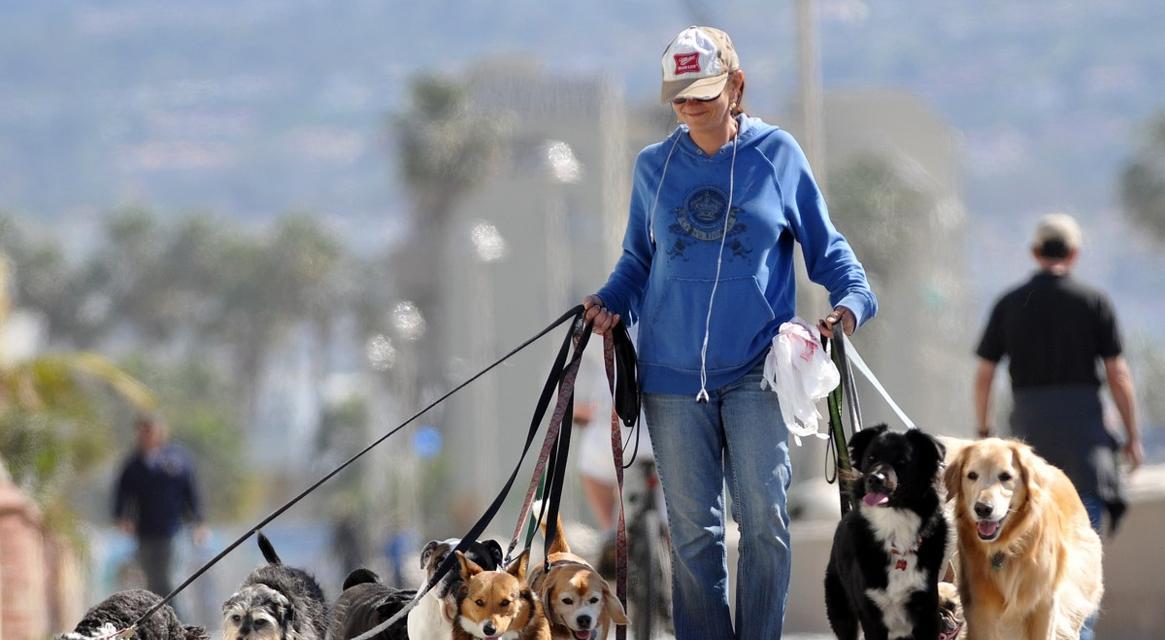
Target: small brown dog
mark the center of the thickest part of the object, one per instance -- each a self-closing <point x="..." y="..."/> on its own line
<point x="950" y="612"/>
<point x="497" y="605"/>
<point x="580" y="604"/>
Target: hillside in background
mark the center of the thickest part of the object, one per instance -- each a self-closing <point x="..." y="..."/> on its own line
<point x="254" y="108"/>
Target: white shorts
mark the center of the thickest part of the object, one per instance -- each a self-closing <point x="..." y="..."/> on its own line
<point x="594" y="449"/>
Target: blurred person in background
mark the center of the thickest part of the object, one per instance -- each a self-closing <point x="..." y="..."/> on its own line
<point x="156" y="494"/>
<point x="707" y="274"/>
<point x="1053" y="329"/>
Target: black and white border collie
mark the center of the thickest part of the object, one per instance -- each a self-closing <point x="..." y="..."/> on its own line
<point x="889" y="551"/>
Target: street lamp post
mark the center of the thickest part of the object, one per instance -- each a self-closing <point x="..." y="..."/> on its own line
<point x="489" y="248"/>
<point x="563" y="168"/>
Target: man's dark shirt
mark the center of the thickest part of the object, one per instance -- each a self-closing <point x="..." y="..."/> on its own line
<point x="1052" y="329"/>
<point x="158" y="492"/>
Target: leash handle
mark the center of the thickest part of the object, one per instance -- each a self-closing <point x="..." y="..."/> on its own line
<point x="842" y="393"/>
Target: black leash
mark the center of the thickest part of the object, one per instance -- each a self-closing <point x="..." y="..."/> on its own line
<point x="547" y="459"/>
<point x="560" y="376"/>
<point x="574" y="314"/>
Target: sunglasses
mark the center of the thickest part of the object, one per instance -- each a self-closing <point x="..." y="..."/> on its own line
<point x="679" y="101"/>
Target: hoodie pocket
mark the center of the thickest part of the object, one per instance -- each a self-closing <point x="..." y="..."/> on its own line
<point x="675" y="315"/>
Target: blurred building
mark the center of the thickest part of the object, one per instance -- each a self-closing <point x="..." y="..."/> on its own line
<point x="921" y="342"/>
<point x="537" y="236"/>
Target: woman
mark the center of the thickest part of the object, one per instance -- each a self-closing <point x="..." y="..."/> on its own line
<point x="707" y="272"/>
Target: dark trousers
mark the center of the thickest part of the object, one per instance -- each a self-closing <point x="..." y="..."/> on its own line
<point x="155" y="555"/>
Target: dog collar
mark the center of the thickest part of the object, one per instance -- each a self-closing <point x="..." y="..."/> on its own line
<point x="997" y="560"/>
<point x="901" y="564"/>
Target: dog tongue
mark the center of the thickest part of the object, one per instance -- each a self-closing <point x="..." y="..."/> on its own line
<point x="987" y="528"/>
<point x="582" y="635"/>
<point x="875" y="499"/>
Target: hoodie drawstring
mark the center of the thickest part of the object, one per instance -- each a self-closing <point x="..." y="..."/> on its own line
<point x="662" y="176"/>
<point x="702" y="396"/>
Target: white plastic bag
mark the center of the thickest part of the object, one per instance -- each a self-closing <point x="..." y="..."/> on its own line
<point x="801" y="373"/>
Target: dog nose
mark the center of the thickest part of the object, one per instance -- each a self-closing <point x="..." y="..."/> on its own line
<point x="489" y="629"/>
<point x="584" y="622"/>
<point x="982" y="509"/>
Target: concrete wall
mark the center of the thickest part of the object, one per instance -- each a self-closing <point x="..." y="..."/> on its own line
<point x="23" y="580"/>
<point x="41" y="585"/>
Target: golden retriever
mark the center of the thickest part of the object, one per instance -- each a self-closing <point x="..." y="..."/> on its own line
<point x="1029" y="561"/>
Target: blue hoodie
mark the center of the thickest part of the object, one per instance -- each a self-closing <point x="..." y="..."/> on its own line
<point x="665" y="277"/>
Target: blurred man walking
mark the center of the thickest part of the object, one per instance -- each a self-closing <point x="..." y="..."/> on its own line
<point x="1053" y="329"/>
<point x="155" y="494"/>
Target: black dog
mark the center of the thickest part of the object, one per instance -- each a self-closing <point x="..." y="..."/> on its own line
<point x="364" y="604"/>
<point x="275" y="602"/>
<point x="122" y="609"/>
<point x="888" y="551"/>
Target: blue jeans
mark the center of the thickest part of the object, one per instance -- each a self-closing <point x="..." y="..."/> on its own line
<point x="737" y="438"/>
<point x="1095" y="508"/>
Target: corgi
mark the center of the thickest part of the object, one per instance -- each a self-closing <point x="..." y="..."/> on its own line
<point x="432" y="618"/>
<point x="497" y="605"/>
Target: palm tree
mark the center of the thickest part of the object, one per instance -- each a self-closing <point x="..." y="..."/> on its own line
<point x="52" y="425"/>
<point x="1142" y="183"/>
<point x="445" y="151"/>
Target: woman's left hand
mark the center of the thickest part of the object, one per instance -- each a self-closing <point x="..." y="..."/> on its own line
<point x="839" y="314"/>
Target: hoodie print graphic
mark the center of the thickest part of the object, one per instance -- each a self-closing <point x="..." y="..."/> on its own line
<point x="701" y="217"/>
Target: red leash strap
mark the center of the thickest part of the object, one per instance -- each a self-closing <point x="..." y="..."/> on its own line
<point x="565" y="395"/>
<point x="617" y="454"/>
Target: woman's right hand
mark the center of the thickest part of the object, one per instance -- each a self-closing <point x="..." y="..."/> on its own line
<point x="595" y="312"/>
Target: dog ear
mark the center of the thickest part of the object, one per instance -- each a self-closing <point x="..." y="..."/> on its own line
<point x="517" y="566"/>
<point x="430" y="546"/>
<point x="450" y="608"/>
<point x="861" y="440"/>
<point x="613" y="606"/>
<point x="953" y="475"/>
<point x="927" y="444"/>
<point x="1033" y="471"/>
<point x="494" y="551"/>
<point x="359" y="576"/>
<point x="469" y="568"/>
<point x="548" y="598"/>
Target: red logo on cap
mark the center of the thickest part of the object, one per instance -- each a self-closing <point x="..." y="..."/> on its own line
<point x="687" y="63"/>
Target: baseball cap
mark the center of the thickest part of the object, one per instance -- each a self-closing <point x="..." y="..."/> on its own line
<point x="696" y="64"/>
<point x="1056" y="235"/>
